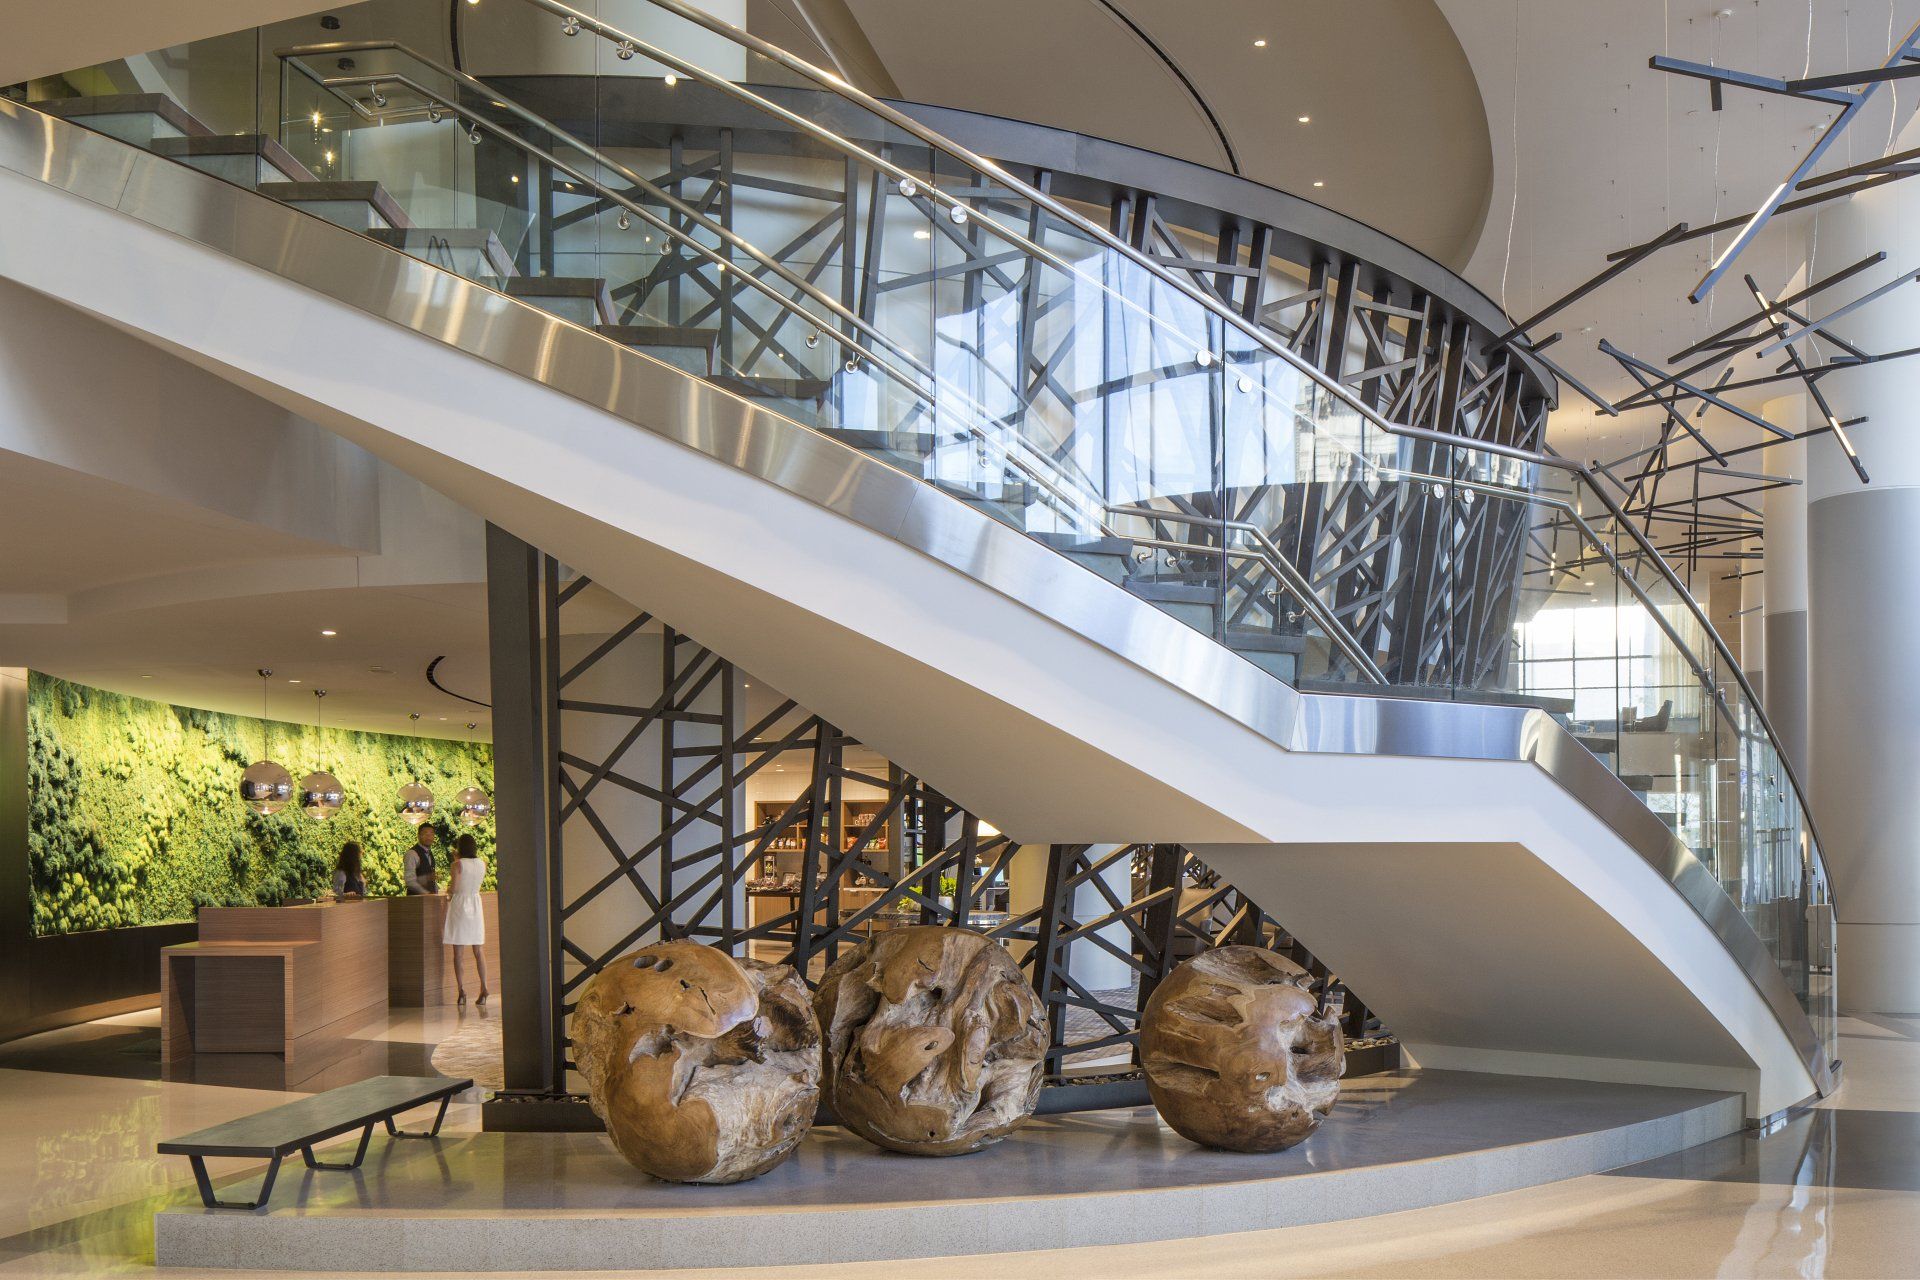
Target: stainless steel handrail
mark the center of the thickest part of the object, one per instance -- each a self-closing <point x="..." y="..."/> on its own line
<point x="834" y="84"/>
<point x="1073" y="504"/>
<point x="1115" y="244"/>
<point x="1275" y="559"/>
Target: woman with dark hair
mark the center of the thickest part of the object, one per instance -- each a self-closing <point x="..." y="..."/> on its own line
<point x="349" y="875"/>
<point x="466" y="920"/>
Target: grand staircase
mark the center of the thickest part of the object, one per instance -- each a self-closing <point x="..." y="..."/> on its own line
<point x="971" y="431"/>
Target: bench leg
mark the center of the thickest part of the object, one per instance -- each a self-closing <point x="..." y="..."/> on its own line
<point x="394" y="1132"/>
<point x="206" y="1185"/>
<point x="366" y="1136"/>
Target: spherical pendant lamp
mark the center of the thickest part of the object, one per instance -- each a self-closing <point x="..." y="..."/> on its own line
<point x="320" y="792"/>
<point x="265" y="787"/>
<point x="416" y="802"/>
<point x="476" y="806"/>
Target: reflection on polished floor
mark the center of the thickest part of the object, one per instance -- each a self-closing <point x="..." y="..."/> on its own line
<point x="1834" y="1192"/>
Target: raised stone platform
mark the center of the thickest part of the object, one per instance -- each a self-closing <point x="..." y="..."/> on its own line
<point x="555" y="1202"/>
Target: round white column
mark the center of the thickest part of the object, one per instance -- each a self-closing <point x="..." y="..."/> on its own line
<point x="1864" y="619"/>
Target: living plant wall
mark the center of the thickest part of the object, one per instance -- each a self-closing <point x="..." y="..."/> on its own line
<point x="134" y="812"/>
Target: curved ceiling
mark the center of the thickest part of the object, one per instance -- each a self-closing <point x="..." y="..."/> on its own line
<point x="1396" y="131"/>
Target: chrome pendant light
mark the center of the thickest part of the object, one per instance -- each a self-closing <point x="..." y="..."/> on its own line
<point x="476" y="806"/>
<point x="320" y="791"/>
<point x="416" y="802"/>
<point x="265" y="787"/>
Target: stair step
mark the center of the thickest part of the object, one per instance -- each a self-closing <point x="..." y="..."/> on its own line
<point x="906" y="444"/>
<point x="357" y="206"/>
<point x="1014" y="493"/>
<point x="244" y="159"/>
<point x="139" y="118"/>
<point x="1250" y="641"/>
<point x="684" y="348"/>
<point x="473" y="254"/>
<point x="1166" y="591"/>
<point x="814" y="389"/>
<point x="581" y="299"/>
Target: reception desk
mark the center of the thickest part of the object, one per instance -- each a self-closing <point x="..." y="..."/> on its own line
<point x="419" y="965"/>
<point x="283" y="980"/>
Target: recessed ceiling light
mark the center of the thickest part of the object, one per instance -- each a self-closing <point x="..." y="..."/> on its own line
<point x="1259" y="44"/>
<point x="1306" y="119"/>
<point x="1319" y="184"/>
<point x="146" y="675"/>
<point x="293" y="682"/>
<point x="513" y="177"/>
<point x="328" y="631"/>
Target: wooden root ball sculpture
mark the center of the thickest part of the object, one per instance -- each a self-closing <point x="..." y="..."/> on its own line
<point x="934" y="1040"/>
<point x="704" y="1068"/>
<point x="1235" y="1053"/>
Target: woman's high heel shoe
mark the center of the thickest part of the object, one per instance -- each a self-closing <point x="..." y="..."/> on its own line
<point x="462" y="1001"/>
<point x="481" y="1001"/>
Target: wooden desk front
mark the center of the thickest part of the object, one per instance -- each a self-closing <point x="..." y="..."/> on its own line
<point x="420" y="965"/>
<point x="331" y="961"/>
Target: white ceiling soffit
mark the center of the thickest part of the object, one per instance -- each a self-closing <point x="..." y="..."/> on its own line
<point x="1595" y="151"/>
<point x="1396" y="131"/>
<point x="46" y="37"/>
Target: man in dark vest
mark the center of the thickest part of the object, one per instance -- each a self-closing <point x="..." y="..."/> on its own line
<point x="417" y="867"/>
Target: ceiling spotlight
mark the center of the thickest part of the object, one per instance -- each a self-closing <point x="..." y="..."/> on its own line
<point x="328" y="631"/>
<point x="671" y="80"/>
<point x="1259" y="44"/>
<point x="1306" y="119"/>
<point x="1319" y="184"/>
<point x="293" y="682"/>
<point x="516" y="178"/>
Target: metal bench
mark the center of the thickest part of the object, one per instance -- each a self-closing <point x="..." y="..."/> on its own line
<point x="300" y="1126"/>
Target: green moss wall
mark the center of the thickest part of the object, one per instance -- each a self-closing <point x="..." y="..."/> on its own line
<point x="134" y="813"/>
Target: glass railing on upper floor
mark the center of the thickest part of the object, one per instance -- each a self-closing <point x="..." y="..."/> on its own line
<point x="850" y="270"/>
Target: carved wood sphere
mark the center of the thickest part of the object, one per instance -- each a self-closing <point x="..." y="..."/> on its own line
<point x="704" y="1068"/>
<point x="935" y="1041"/>
<point x="1236" y="1054"/>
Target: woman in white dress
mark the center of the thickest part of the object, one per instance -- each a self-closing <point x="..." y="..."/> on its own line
<point x="466" y="923"/>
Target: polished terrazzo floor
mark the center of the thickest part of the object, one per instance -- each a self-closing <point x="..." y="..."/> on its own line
<point x="1836" y="1192"/>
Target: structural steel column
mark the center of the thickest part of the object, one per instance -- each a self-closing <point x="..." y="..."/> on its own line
<point x="522" y="807"/>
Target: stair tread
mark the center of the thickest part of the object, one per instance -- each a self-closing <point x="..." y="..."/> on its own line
<point x="1174" y="592"/>
<point x="919" y="443"/>
<point x="593" y="288"/>
<point x="482" y="240"/>
<point x="126" y="104"/>
<point x="337" y="189"/>
<point x="660" y="335"/>
<point x="236" y="144"/>
<point x="775" y="388"/>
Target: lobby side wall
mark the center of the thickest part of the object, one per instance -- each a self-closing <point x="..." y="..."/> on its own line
<point x="51" y="982"/>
